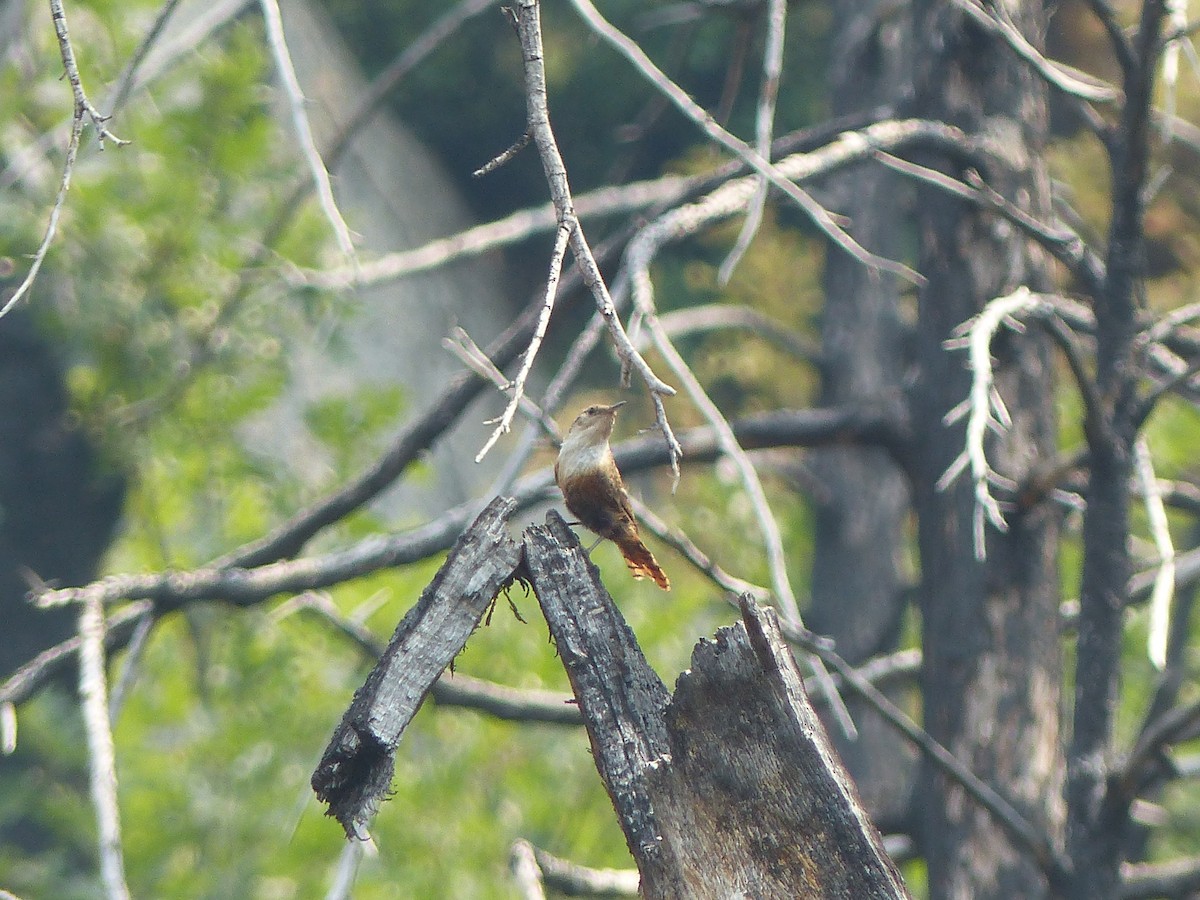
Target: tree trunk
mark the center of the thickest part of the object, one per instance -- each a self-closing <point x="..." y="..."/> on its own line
<point x="858" y="595"/>
<point x="991" y="652"/>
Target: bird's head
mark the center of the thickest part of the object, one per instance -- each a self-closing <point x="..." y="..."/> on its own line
<point x="596" y="422"/>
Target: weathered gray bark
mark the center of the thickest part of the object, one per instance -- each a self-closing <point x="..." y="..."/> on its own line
<point x="356" y="768"/>
<point x="858" y="594"/>
<point x="1098" y="809"/>
<point x="731" y="788"/>
<point x="991" y="662"/>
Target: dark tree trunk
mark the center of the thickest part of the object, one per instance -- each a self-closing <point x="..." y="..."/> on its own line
<point x="992" y="670"/>
<point x="858" y="596"/>
<point x="1097" y="819"/>
<point x="58" y="508"/>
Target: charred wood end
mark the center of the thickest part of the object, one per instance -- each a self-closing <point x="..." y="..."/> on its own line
<point x="356" y="769"/>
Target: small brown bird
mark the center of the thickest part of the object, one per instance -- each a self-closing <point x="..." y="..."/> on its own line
<point x="592" y="487"/>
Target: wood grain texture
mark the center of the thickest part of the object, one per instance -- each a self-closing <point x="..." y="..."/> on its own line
<point x="731" y="789"/>
<point x="356" y="769"/>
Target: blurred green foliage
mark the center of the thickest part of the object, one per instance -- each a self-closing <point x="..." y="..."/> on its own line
<point x="166" y="309"/>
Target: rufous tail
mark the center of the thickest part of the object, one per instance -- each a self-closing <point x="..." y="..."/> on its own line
<point x="641" y="561"/>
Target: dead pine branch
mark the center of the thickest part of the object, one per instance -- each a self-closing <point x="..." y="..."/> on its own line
<point x="83" y="111"/>
<point x="356" y="768"/>
<point x="527" y="16"/>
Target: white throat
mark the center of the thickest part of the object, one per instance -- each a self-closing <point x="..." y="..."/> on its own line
<point x="581" y="453"/>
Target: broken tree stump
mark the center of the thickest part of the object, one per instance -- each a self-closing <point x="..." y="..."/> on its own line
<point x="731" y="787"/>
<point x="728" y="789"/>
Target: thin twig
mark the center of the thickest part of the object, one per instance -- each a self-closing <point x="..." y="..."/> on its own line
<point x="1068" y="342"/>
<point x="764" y="127"/>
<point x="83" y="109"/>
<point x="730" y="316"/>
<point x="52" y="226"/>
<point x="125" y="80"/>
<point x="452" y="688"/>
<point x="768" y="526"/>
<point x="471" y="355"/>
<point x="503" y="158"/>
<point x="1062" y="243"/>
<point x="101" y="757"/>
<point x="517" y="386"/>
<point x="538" y="122"/>
<point x="346" y="873"/>
<point x="700" y="560"/>
<point x="371" y="102"/>
<point x="820" y="216"/>
<point x="1122" y="46"/>
<point x="984" y="408"/>
<point x="134" y="653"/>
<point x="277" y="43"/>
<point x="1171" y="727"/>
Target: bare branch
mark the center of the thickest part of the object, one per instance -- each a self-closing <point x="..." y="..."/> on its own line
<point x="1058" y="75"/>
<point x="1021" y="829"/>
<point x="54" y="661"/>
<point x="304" y="136"/>
<point x="101" y="757"/>
<point x="843" y="148"/>
<point x="686" y="548"/>
<point x="8" y="729"/>
<point x="984" y="408"/>
<point x="526" y="872"/>
<point x="764" y="126"/>
<point x="452" y="688"/>
<point x="245" y="586"/>
<point x="818" y="214"/>
<point x="581" y="881"/>
<point x="517" y="386"/>
<point x="1177" y="878"/>
<point x="538" y="118"/>
<point x="480" y="239"/>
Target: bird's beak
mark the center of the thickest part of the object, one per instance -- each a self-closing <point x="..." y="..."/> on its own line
<point x="613" y="409"/>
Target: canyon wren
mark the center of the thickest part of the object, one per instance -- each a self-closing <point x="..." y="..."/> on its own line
<point x="592" y="487"/>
